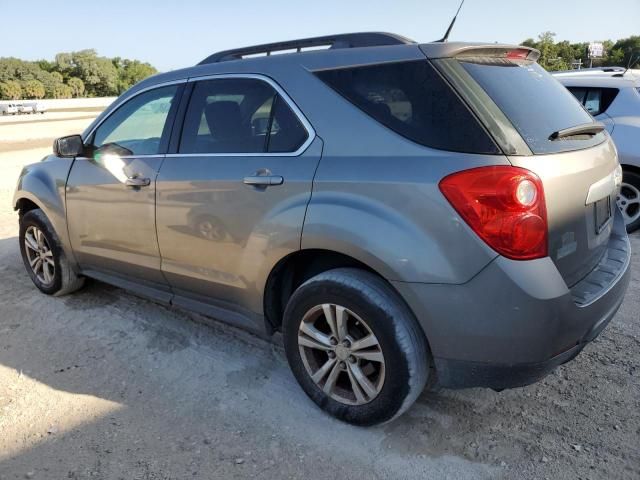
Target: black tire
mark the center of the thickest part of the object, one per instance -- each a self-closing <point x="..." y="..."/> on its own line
<point x="632" y="178"/>
<point x="65" y="280"/>
<point x="401" y="341"/>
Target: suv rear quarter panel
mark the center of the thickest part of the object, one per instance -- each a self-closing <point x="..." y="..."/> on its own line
<point x="375" y="195"/>
<point x="385" y="209"/>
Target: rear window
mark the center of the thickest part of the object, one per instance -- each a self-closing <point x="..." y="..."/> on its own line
<point x="413" y="100"/>
<point x="536" y="104"/>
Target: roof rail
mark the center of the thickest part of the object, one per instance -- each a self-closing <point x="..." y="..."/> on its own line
<point x="345" y="40"/>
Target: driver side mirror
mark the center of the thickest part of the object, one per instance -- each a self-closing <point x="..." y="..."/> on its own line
<point x="68" y="147"/>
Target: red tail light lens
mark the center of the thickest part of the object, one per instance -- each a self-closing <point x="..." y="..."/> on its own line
<point x="504" y="206"/>
<point x="519" y="54"/>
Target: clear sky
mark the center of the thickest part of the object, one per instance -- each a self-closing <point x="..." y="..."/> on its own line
<point x="178" y="33"/>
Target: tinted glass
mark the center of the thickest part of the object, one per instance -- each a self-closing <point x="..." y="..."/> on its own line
<point x="579" y="93"/>
<point x="536" y="104"/>
<point x="238" y="115"/>
<point x="412" y="99"/>
<point x="137" y="126"/>
<point x="595" y="100"/>
<point x="592" y="101"/>
<point x="287" y="133"/>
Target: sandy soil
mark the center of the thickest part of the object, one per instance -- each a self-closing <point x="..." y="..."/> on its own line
<point x="104" y="385"/>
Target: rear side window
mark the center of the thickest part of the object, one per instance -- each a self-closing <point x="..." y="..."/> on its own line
<point x="413" y="100"/>
<point x="286" y="133"/>
<point x="536" y="104"/>
<point x="595" y="100"/>
<point x="239" y="115"/>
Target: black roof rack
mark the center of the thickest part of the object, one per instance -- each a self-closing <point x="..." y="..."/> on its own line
<point x="346" y="40"/>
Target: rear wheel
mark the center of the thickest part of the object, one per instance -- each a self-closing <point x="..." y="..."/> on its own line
<point x="43" y="257"/>
<point x="629" y="200"/>
<point x="354" y="347"/>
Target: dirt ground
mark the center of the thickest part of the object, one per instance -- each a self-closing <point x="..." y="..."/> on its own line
<point x="104" y="385"/>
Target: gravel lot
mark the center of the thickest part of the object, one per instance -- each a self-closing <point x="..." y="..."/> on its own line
<point x="104" y="385"/>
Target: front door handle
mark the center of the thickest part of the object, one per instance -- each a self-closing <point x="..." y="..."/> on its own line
<point x="263" y="180"/>
<point x="137" y="182"/>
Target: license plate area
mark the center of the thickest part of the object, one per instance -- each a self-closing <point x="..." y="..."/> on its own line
<point x="602" y="214"/>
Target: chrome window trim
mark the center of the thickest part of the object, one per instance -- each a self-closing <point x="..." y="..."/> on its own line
<point x="119" y="102"/>
<point x="311" y="133"/>
<point x="131" y="157"/>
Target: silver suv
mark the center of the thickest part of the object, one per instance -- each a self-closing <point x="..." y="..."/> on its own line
<point x="612" y="96"/>
<point x="404" y="214"/>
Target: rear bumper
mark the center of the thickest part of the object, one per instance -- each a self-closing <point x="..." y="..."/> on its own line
<point x="515" y="322"/>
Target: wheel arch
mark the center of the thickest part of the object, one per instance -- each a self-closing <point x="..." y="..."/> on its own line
<point x="296" y="268"/>
<point x="24" y="204"/>
<point x="42" y="185"/>
<point x="629" y="167"/>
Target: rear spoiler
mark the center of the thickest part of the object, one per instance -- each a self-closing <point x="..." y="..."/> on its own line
<point x="486" y="51"/>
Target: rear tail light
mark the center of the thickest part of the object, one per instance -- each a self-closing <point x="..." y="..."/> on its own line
<point x="518" y="54"/>
<point x="504" y="206"/>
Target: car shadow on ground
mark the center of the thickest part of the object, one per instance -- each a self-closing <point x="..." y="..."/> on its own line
<point x="162" y="393"/>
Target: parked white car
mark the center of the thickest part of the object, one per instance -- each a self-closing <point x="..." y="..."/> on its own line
<point x="612" y="96"/>
<point x="24" y="108"/>
<point x="8" y="109"/>
<point x="37" y="107"/>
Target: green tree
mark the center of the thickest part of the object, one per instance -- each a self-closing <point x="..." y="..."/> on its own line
<point x="84" y="72"/>
<point x="549" y="58"/>
<point x="61" y="90"/>
<point x="76" y="85"/>
<point x="99" y="75"/>
<point x="625" y="51"/>
<point x="131" y="72"/>
<point x="56" y="77"/>
<point x="46" y="65"/>
<point x="33" y="89"/>
<point x="10" y="90"/>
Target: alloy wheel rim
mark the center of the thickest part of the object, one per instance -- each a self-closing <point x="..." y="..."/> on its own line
<point x="341" y="354"/>
<point x="628" y="202"/>
<point x="39" y="255"/>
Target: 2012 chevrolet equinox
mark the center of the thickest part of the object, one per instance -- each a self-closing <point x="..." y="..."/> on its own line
<point x="405" y="214"/>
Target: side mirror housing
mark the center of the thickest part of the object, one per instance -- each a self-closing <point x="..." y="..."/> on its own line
<point x="68" y="147"/>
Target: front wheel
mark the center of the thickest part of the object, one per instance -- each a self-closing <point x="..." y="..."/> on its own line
<point x="629" y="200"/>
<point x="43" y="257"/>
<point x="354" y="347"/>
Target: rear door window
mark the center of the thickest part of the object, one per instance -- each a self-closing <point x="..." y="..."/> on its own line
<point x="413" y="100"/>
<point x="239" y="115"/>
<point x="536" y="103"/>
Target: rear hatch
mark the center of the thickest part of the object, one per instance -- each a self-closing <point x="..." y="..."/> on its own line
<point x="541" y="127"/>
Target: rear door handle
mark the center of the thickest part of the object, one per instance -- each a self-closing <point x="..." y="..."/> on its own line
<point x="263" y="180"/>
<point x="137" y="182"/>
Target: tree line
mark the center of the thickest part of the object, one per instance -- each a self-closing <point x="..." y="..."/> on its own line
<point x="565" y="55"/>
<point x="70" y="75"/>
<point x="85" y="74"/>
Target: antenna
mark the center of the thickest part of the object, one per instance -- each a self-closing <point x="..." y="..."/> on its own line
<point x="446" y="35"/>
<point x="632" y="60"/>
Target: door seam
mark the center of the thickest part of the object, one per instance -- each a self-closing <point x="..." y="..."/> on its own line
<point x="313" y="182"/>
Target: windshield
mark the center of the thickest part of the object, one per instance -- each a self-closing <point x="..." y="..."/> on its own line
<point x="535" y="103"/>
